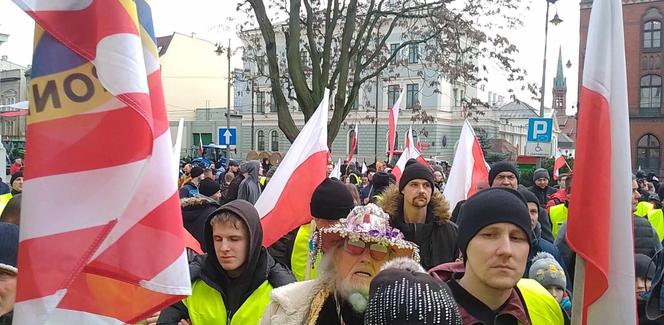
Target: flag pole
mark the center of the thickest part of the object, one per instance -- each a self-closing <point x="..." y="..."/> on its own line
<point x="579" y="284"/>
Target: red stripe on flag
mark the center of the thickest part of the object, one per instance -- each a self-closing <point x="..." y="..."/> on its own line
<point x="159" y="117"/>
<point x="52" y="261"/>
<point x="81" y="30"/>
<point x="480" y="172"/>
<point x="296" y="196"/>
<point x="589" y="209"/>
<point x="87" y="141"/>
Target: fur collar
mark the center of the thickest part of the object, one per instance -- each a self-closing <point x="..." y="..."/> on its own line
<point x="291" y="304"/>
<point x="392" y="204"/>
<point x="197" y="201"/>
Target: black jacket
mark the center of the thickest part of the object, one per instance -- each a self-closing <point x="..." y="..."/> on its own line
<point x="545" y="223"/>
<point x="233" y="188"/>
<point x="260" y="266"/>
<point x="542" y="194"/>
<point x="195" y="212"/>
<point x="645" y="237"/>
<point x="6" y="319"/>
<point x="436" y="238"/>
<point x="282" y="250"/>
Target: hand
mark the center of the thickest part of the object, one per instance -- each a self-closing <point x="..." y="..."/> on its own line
<point x="184" y="322"/>
<point x="152" y="320"/>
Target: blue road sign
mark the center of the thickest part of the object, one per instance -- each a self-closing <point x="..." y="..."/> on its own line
<point x="228" y="136"/>
<point x="540" y="129"/>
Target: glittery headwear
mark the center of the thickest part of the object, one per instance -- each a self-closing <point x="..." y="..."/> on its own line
<point x="369" y="224"/>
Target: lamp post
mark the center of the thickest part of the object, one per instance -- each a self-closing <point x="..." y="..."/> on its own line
<point x="556" y="20"/>
<point x="252" y="110"/>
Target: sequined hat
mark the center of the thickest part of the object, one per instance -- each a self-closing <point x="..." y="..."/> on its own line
<point x="370" y="224"/>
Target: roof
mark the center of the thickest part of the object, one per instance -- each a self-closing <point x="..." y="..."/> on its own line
<point x="516" y="109"/>
<point x="163" y="43"/>
<point x="565" y="142"/>
<point x="6" y="65"/>
<point x="559" y="81"/>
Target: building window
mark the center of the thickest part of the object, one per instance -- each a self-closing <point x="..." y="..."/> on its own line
<point x="393" y="49"/>
<point x="273" y="104"/>
<point x="392" y="95"/>
<point x="260" y="138"/>
<point x="351" y="134"/>
<point x="354" y="106"/>
<point x="411" y="95"/>
<point x="456" y="98"/>
<point x="260" y="102"/>
<point x="274" y="141"/>
<point x="648" y="153"/>
<point x="652" y="34"/>
<point x="651" y="94"/>
<point x="413" y="54"/>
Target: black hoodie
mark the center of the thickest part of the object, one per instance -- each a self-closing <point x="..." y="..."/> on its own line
<point x="260" y="266"/>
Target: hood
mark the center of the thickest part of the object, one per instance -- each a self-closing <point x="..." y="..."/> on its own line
<point x="251" y="167"/>
<point x="444" y="272"/>
<point x="392" y="204"/>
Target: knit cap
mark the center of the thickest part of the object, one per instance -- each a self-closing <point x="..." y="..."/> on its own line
<point x="547" y="271"/>
<point x="403" y="293"/>
<point x="540" y="173"/>
<point x="502" y="166"/>
<point x="208" y="187"/>
<point x="415" y="170"/>
<point x="8" y="247"/>
<point x="195" y="172"/>
<point x="15" y="177"/>
<point x="644" y="266"/>
<point x="331" y="200"/>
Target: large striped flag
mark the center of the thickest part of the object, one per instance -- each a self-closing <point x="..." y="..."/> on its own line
<point x="101" y="241"/>
<point x="284" y="205"/>
<point x="558" y="163"/>
<point x="353" y="145"/>
<point x="468" y="167"/>
<point x="600" y="223"/>
<point x="393" y="118"/>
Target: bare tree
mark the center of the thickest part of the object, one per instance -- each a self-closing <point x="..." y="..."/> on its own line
<point x="343" y="44"/>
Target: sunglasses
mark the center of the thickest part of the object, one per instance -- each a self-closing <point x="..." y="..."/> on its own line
<point x="357" y="247"/>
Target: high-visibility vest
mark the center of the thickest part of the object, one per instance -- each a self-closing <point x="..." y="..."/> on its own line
<point x="543" y="309"/>
<point x="656" y="218"/>
<point x="4" y="199"/>
<point x="558" y="216"/>
<point x="206" y="306"/>
<point x="300" y="254"/>
<point x="642" y="208"/>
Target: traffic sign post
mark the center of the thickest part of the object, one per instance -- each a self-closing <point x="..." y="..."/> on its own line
<point x="540" y="134"/>
<point x="227" y="137"/>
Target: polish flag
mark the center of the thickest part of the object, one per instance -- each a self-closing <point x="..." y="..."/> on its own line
<point x="284" y="204"/>
<point x="599" y="229"/>
<point x="336" y="171"/>
<point x="558" y="163"/>
<point x="468" y="167"/>
<point x="353" y="145"/>
<point x="393" y="118"/>
<point x="200" y="146"/>
<point x="409" y="152"/>
<point x="364" y="168"/>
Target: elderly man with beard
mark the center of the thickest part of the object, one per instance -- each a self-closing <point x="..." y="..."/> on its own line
<point x="353" y="252"/>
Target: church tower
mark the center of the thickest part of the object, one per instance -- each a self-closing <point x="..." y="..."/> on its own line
<point x="559" y="88"/>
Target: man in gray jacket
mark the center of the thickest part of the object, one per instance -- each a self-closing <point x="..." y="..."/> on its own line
<point x="249" y="189"/>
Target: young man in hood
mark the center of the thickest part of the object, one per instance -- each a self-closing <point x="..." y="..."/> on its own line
<point x="249" y="189"/>
<point x="422" y="214"/>
<point x="495" y="240"/>
<point x="232" y="283"/>
<point x="541" y="189"/>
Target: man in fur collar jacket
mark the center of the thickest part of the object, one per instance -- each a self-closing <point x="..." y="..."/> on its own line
<point x="422" y="215"/>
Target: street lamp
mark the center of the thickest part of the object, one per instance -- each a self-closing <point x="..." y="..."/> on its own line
<point x="219" y="51"/>
<point x="252" y="109"/>
<point x="555" y="21"/>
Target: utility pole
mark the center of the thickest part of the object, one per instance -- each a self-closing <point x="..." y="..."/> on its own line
<point x="252" y="114"/>
<point x="228" y="102"/>
<point x="376" y="125"/>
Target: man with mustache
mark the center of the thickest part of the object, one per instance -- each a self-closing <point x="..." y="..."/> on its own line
<point x="354" y="250"/>
<point x="495" y="238"/>
<point x="422" y="214"/>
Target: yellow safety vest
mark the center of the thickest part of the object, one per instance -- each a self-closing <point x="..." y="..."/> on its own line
<point x="558" y="216"/>
<point x="300" y="253"/>
<point x="543" y="309"/>
<point x="656" y="218"/>
<point x="206" y="306"/>
<point x="4" y="199"/>
<point x="261" y="180"/>
<point x="643" y="208"/>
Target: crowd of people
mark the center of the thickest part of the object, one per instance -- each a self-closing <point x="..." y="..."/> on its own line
<point x="381" y="251"/>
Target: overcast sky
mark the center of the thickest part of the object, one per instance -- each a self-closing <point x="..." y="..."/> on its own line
<point x="203" y="17"/>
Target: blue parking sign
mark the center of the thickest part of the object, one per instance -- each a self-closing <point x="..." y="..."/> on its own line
<point x="540" y="129"/>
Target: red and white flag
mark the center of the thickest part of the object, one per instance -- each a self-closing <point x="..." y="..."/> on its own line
<point x="409" y="152"/>
<point x="558" y="163"/>
<point x="392" y="124"/>
<point x="102" y="241"/>
<point x="600" y="224"/>
<point x="468" y="167"/>
<point x="353" y="145"/>
<point x="284" y="204"/>
<point x="200" y="146"/>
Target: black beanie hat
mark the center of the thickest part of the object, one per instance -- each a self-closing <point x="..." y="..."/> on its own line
<point x="331" y="200"/>
<point x="14" y="177"/>
<point x="208" y="187"/>
<point x="490" y="206"/>
<point x="415" y="170"/>
<point x="195" y="172"/>
<point x="429" y="301"/>
<point x="644" y="266"/>
<point x="380" y="180"/>
<point x="529" y="196"/>
<point x="502" y="166"/>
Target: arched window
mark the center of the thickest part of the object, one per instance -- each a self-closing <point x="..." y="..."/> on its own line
<point x="648" y="153"/>
<point x="351" y="135"/>
<point x="651" y="94"/>
<point x="261" y="141"/>
<point x="652" y="34"/>
<point x="274" y="141"/>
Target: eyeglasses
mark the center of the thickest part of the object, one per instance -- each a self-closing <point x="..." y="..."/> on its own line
<point x="357" y="247"/>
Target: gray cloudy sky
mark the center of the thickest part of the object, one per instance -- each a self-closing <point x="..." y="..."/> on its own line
<point x="202" y="16"/>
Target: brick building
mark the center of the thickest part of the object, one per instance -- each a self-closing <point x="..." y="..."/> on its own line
<point x="644" y="52"/>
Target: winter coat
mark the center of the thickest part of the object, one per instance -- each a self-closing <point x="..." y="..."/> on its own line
<point x="436" y="238"/>
<point x="545" y="224"/>
<point x="14" y="168"/>
<point x="195" y="212"/>
<point x="249" y="189"/>
<point x="234" y="186"/>
<point x="6" y="319"/>
<point x="189" y="189"/>
<point x="291" y="304"/>
<point x="258" y="268"/>
<point x="542" y="194"/>
<point x="282" y="249"/>
<point x="365" y="191"/>
<point x="556" y="198"/>
<point x="646" y="240"/>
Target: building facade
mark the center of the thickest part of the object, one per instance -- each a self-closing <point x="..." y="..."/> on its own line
<point x="644" y="52"/>
<point x="13" y="89"/>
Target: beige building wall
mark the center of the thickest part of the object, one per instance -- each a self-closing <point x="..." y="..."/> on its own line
<point x="193" y="76"/>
